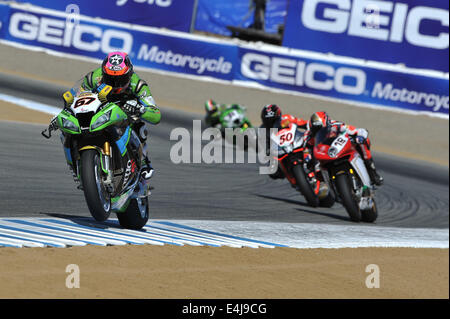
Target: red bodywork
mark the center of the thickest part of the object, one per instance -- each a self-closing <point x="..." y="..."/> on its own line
<point x="286" y="171"/>
<point x="321" y="150"/>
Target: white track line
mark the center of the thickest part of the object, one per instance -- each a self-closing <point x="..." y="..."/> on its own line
<point x="86" y="231"/>
<point x="40" y="232"/>
<point x="29" y="104"/>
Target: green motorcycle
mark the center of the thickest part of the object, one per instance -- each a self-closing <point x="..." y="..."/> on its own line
<point x="230" y="116"/>
<point x="105" y="155"/>
<point x="233" y="116"/>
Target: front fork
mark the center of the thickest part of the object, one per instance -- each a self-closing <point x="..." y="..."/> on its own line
<point x="363" y="192"/>
<point x="70" y="162"/>
<point x="106" y="164"/>
<point x="106" y="159"/>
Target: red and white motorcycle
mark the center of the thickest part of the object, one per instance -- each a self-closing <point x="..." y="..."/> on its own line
<point x="291" y="158"/>
<point x="340" y="160"/>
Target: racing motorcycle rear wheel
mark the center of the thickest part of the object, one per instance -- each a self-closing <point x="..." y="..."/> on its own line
<point x="348" y="197"/>
<point x="329" y="200"/>
<point x="136" y="215"/>
<point x="305" y="187"/>
<point x="97" y="198"/>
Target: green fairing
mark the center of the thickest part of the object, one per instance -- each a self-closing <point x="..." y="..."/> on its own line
<point x="68" y="117"/>
<point x="117" y="115"/>
<point x="224" y="110"/>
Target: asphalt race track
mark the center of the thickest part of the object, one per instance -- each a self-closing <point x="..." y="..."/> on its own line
<point x="36" y="183"/>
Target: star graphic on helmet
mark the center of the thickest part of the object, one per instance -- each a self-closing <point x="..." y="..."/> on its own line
<point x="115" y="59"/>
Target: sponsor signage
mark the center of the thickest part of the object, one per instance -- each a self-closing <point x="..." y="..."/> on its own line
<point x="96" y="40"/>
<point x="171" y="14"/>
<point x="411" y="32"/>
<point x="345" y="81"/>
<point x="193" y="55"/>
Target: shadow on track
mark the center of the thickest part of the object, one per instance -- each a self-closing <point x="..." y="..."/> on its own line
<point x="314" y="212"/>
<point x="86" y="221"/>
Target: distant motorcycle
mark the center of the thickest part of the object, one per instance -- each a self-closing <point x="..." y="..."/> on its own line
<point x="341" y="161"/>
<point x="106" y="155"/>
<point x="288" y="143"/>
<point x="234" y="117"/>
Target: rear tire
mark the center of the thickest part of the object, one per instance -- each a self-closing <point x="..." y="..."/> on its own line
<point x="329" y="200"/>
<point x="348" y="197"/>
<point x="305" y="187"/>
<point x="97" y="199"/>
<point x="133" y="218"/>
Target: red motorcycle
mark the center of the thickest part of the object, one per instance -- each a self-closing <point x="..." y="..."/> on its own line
<point x="347" y="174"/>
<point x="291" y="158"/>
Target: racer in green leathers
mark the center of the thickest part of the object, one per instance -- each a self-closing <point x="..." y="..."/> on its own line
<point x="215" y="112"/>
<point x="137" y="88"/>
<point x="117" y="72"/>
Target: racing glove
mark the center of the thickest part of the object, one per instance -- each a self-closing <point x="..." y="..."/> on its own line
<point x="53" y="123"/>
<point x="361" y="136"/>
<point x="132" y="107"/>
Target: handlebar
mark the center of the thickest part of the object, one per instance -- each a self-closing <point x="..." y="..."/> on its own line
<point x="50" y="128"/>
<point x="49" y="133"/>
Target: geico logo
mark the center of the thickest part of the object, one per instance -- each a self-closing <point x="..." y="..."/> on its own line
<point x="159" y="3"/>
<point x="313" y="75"/>
<point x="83" y="37"/>
<point x="380" y="20"/>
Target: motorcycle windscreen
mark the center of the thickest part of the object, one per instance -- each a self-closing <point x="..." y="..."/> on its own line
<point x="325" y="136"/>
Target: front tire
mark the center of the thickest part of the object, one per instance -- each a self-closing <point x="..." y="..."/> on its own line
<point x="305" y="187"/>
<point x="370" y="215"/>
<point x="97" y="198"/>
<point x="136" y="215"/>
<point x="348" y="197"/>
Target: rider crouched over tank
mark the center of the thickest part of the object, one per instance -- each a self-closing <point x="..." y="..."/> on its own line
<point x="128" y="88"/>
<point x="360" y="138"/>
<point x="273" y="118"/>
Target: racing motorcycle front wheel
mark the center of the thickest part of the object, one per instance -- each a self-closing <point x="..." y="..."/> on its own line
<point x="97" y="198"/>
<point x="370" y="215"/>
<point x="348" y="197"/>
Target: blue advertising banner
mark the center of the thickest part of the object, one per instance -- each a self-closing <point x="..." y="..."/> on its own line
<point x="193" y="55"/>
<point x="152" y="50"/>
<point x="215" y="15"/>
<point x="170" y="14"/>
<point x="4" y="18"/>
<point x="345" y="81"/>
<point x="412" y="32"/>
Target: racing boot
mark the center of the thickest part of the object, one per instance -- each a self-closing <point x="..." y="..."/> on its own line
<point x="146" y="175"/>
<point x="375" y="178"/>
<point x="147" y="169"/>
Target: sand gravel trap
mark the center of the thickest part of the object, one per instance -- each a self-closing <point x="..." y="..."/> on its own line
<point x="206" y="272"/>
<point x="12" y="112"/>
